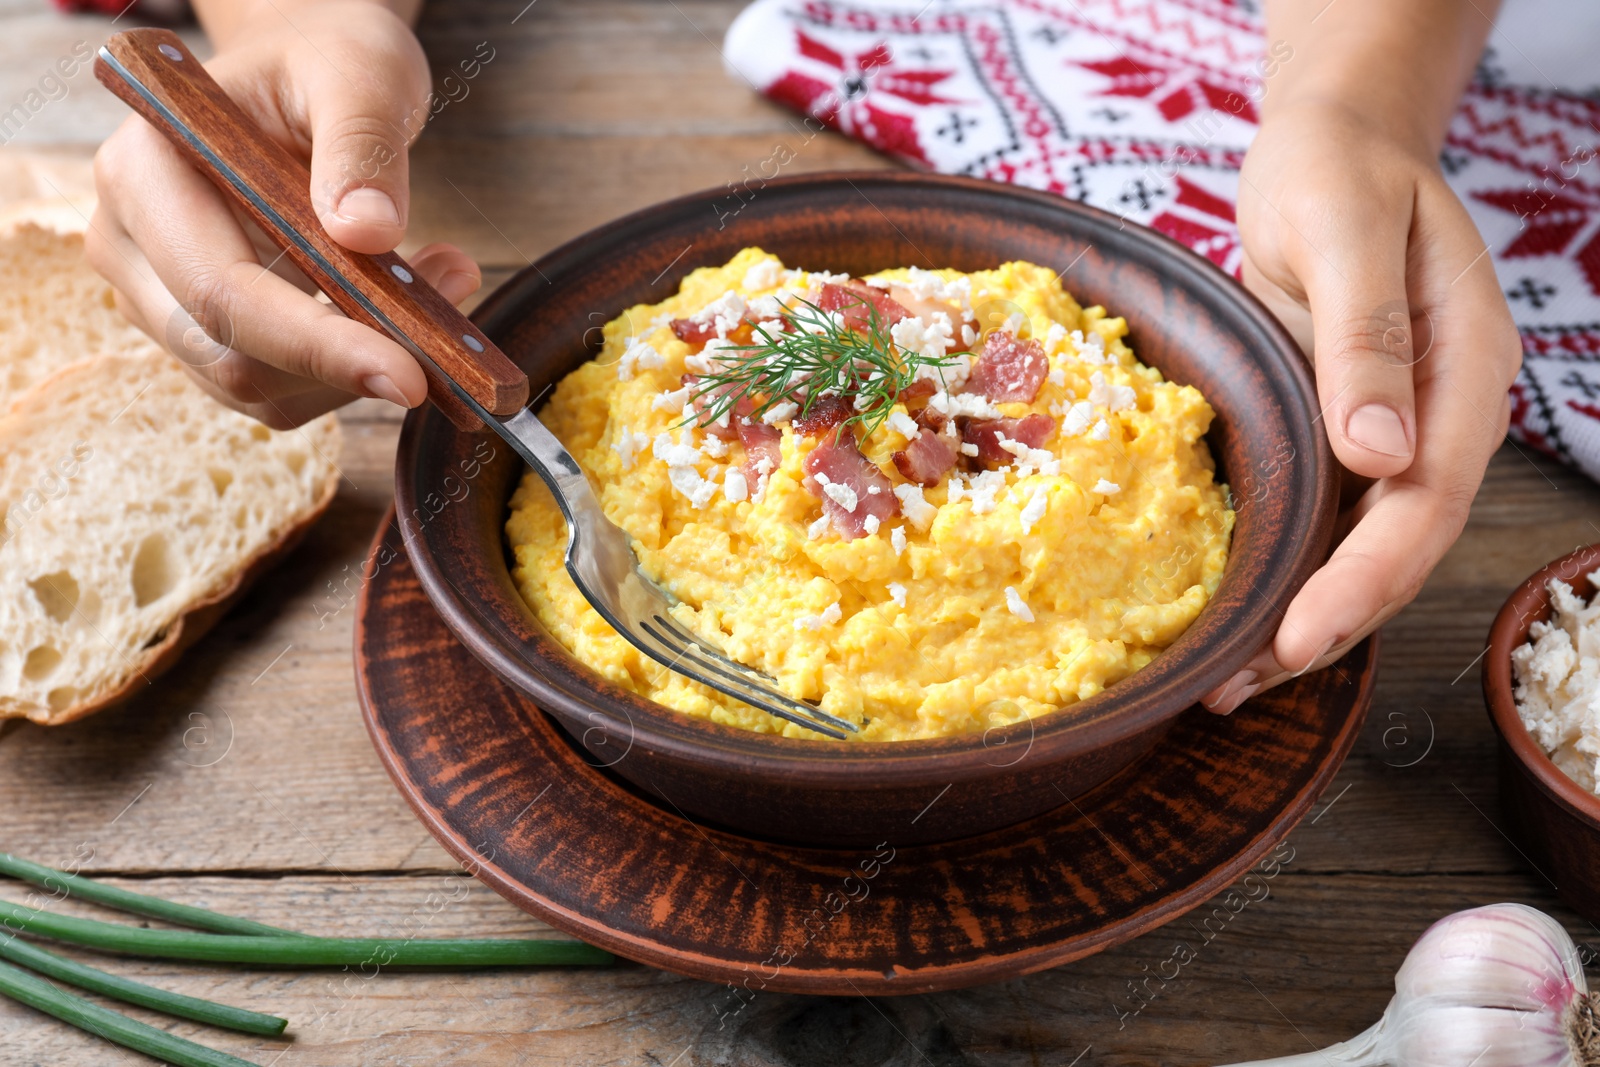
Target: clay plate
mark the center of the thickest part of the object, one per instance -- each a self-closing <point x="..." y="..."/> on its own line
<point x="509" y="794"/>
<point x="1194" y="323"/>
<point x="1553" y="818"/>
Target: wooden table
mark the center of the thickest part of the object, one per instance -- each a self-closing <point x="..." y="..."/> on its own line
<point x="244" y="779"/>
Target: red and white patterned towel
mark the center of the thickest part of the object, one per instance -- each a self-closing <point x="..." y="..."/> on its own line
<point x="1145" y="108"/>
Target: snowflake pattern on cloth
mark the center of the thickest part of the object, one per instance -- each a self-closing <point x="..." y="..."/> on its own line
<point x="1145" y="108"/>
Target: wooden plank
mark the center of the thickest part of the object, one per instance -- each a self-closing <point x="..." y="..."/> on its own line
<point x="559" y="131"/>
<point x="1265" y="977"/>
<point x="543" y="191"/>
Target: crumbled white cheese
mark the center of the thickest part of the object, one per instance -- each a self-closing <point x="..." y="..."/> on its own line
<point x="1054" y="338"/>
<point x="904" y="425"/>
<point x="1016" y="605"/>
<point x="830" y="615"/>
<point x="817" y="528"/>
<point x="1077" y="418"/>
<point x="1037" y="461"/>
<point x="930" y="340"/>
<point x="968" y="448"/>
<point x="639" y="355"/>
<point x="1111" y="397"/>
<point x="870" y="524"/>
<point x="949" y="374"/>
<point x="1035" y="510"/>
<point x="764" y="275"/>
<point x="767" y="307"/>
<point x="674" y="455"/>
<point x="982" y="490"/>
<point x="842" y="495"/>
<point x="783" y="412"/>
<point x="708" y="359"/>
<point x="1090" y="349"/>
<point x="734" y="485"/>
<point x="1057" y="377"/>
<point x="968" y="335"/>
<point x="1557" y="677"/>
<point x="628" y="445"/>
<point x="672" y="401"/>
<point x="916" y="509"/>
<point x="724" y="313"/>
<point x="1101" y="431"/>
<point x="969" y="404"/>
<point x="924" y="284"/>
<point x="714" y="446"/>
<point x="822" y="277"/>
<point x="897" y="538"/>
<point x="680" y="459"/>
<point x="897" y="592"/>
<point x="688" y="481"/>
<point x="1107" y="488"/>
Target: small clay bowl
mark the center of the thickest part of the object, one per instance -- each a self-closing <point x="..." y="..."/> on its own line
<point x="1187" y="318"/>
<point x="1554" y="820"/>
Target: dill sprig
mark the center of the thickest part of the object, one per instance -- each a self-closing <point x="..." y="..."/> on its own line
<point x="822" y="356"/>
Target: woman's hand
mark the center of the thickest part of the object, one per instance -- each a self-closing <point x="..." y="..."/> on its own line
<point x="1355" y="241"/>
<point x="341" y="83"/>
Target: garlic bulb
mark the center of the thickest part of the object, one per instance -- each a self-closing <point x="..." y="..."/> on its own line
<point x="1498" y="986"/>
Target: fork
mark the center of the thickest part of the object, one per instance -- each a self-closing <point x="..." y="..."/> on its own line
<point x="469" y="378"/>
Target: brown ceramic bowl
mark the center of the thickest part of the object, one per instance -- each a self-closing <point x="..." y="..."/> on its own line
<point x="1555" y="821"/>
<point x="1187" y="318"/>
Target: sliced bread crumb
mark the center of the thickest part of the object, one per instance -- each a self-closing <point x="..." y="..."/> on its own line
<point x="54" y="309"/>
<point x="128" y="499"/>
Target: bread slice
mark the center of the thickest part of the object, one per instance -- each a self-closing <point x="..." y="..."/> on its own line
<point x="54" y="309"/>
<point x="133" y="508"/>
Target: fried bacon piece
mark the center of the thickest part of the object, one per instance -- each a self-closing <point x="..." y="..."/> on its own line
<point x="1008" y="369"/>
<point x="847" y="300"/>
<point x="1031" y="430"/>
<point x="856" y="496"/>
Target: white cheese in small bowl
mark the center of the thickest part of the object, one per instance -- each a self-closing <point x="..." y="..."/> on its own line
<point x="1557" y="683"/>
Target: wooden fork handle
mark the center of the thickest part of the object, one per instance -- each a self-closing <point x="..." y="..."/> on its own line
<point x="154" y="73"/>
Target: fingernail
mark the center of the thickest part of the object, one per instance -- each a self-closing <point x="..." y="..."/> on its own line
<point x="1378" y="428"/>
<point x="1228" y="696"/>
<point x="383" y="387"/>
<point x="1312" y="662"/>
<point x="366" y="204"/>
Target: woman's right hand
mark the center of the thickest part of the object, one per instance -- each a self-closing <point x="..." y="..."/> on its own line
<point x="342" y="84"/>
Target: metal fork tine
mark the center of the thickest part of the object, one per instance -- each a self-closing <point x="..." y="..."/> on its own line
<point x="714" y="661"/>
<point x="729" y="668"/>
<point x="751" y="691"/>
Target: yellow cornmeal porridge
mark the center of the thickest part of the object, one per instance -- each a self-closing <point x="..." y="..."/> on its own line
<point x="915" y="611"/>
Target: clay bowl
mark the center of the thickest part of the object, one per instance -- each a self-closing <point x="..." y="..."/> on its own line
<point x="1554" y="820"/>
<point x="1187" y="318"/>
